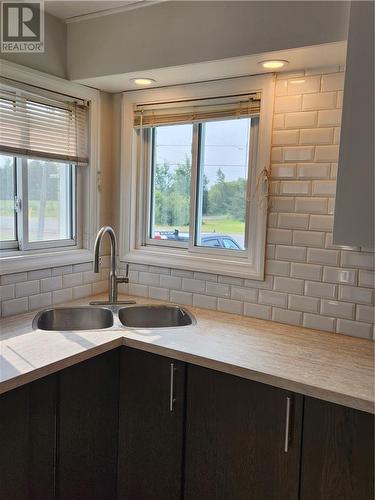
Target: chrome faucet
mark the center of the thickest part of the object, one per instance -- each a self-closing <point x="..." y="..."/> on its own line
<point x="113" y="279"/>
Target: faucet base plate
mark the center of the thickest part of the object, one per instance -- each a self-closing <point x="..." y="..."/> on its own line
<point x="108" y="303"/>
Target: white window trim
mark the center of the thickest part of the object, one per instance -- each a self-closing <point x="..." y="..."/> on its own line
<point x="18" y="260"/>
<point x="130" y="203"/>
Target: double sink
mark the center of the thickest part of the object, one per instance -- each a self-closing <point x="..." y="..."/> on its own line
<point x="99" y="318"/>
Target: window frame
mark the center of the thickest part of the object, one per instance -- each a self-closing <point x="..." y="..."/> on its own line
<point x="133" y="217"/>
<point x="88" y="180"/>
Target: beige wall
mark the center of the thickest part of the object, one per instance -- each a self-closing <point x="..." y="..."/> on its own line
<point x="53" y="60"/>
<point x="178" y="33"/>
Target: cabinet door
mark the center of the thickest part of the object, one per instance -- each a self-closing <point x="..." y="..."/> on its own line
<point x="151" y="426"/>
<point x="337" y="453"/>
<point x="240" y="442"/>
<point x="27" y="441"/>
<point x="88" y="429"/>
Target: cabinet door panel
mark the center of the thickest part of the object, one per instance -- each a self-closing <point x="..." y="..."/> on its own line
<point x="338" y="453"/>
<point x="235" y="439"/>
<point x="88" y="429"/>
<point x="150" y="435"/>
<point x="27" y="441"/>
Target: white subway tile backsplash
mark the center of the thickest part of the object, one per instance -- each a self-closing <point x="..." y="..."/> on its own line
<point x="285" y="137"/>
<point x="231" y="280"/>
<point x="358" y="260"/>
<point x="273" y="298"/>
<point x="287" y="104"/>
<point x="257" y="311"/>
<point x="149" y="278"/>
<point x="91" y="277"/>
<point x="38" y="274"/>
<point x="282" y="204"/>
<point x="291" y="253"/>
<point x="354" y="328"/>
<point x="308" y="238"/>
<point x="182" y="273"/>
<point x="205" y="276"/>
<point x="329" y="118"/>
<point x="283" y="171"/>
<point x="70" y="280"/>
<point x="205" y="301"/>
<point x="82" y="291"/>
<point x="340" y="99"/>
<point x="192" y="285"/>
<point x="230" y="306"/>
<point x="137" y="289"/>
<point x="327" y="153"/>
<point x="318" y="101"/>
<point x="159" y="293"/>
<point x="27" y="288"/>
<point x="265" y="284"/>
<point x="305" y="85"/>
<point x="321" y="256"/>
<point x="321" y="222"/>
<point x="301" y="120"/>
<point x="7" y="279"/>
<point x="293" y="221"/>
<point x="15" y="306"/>
<point x="102" y="286"/>
<point x="288" y="285"/>
<point x="337" y="309"/>
<point x="181" y="297"/>
<point x="80" y="268"/>
<point x="277" y="267"/>
<point x="306" y="271"/>
<point x="244" y="294"/>
<point x="320" y="290"/>
<point x="319" y="322"/>
<point x="334" y="81"/>
<point x="339" y="275"/>
<point x="314" y="170"/>
<point x="316" y="136"/>
<point x="159" y="270"/>
<point x="298" y="153"/>
<point x="304" y="304"/>
<point x="324" y="188"/>
<point x="311" y="205"/>
<point x="286" y="316"/>
<point x="366" y="278"/>
<point x="58" y="271"/>
<point x="39" y="301"/>
<point x="282" y="236"/>
<point x="7" y="292"/>
<point x="217" y="289"/>
<point x="171" y="282"/>
<point x="50" y="284"/>
<point x="279" y="121"/>
<point x="365" y="313"/>
<point x="59" y="296"/>
<point x="356" y="294"/>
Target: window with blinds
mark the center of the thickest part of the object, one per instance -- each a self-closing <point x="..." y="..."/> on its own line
<point x="41" y="127"/>
<point x="43" y="139"/>
<point x="198" y="156"/>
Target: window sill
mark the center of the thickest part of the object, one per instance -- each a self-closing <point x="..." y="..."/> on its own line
<point x="24" y="261"/>
<point x="183" y="260"/>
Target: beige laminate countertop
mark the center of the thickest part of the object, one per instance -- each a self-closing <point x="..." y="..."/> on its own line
<point x="328" y="366"/>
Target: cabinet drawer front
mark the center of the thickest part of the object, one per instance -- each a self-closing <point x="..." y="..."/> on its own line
<point x="338" y="452"/>
<point x="236" y="444"/>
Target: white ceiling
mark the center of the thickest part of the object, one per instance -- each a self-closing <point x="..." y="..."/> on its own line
<point x="69" y="9"/>
<point x="316" y="56"/>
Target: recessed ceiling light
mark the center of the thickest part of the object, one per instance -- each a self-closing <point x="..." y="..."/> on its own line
<point x="143" y="81"/>
<point x="273" y="64"/>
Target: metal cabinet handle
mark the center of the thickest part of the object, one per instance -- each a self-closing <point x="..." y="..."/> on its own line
<point x="172" y="399"/>
<point x="287" y="423"/>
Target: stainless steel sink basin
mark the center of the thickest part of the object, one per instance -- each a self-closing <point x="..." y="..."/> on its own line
<point x="73" y="318"/>
<point x="155" y="316"/>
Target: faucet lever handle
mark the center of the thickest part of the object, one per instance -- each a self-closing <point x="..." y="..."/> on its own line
<point x="127" y="270"/>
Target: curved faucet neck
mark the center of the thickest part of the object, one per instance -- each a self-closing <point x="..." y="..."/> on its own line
<point x="102" y="231"/>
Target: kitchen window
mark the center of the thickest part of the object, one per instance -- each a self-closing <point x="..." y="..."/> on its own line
<point x="196" y="177"/>
<point x="42" y="146"/>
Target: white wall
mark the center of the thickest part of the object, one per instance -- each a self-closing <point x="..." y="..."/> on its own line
<point x="178" y="33"/>
<point x="53" y="60"/>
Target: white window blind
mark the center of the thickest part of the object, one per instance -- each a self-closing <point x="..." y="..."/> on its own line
<point x="203" y="110"/>
<point x="42" y="127"/>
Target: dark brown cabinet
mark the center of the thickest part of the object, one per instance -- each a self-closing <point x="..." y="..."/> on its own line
<point x="151" y="433"/>
<point x="242" y="439"/>
<point x="87" y="428"/>
<point x="337" y="454"/>
<point x="27" y="441"/>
